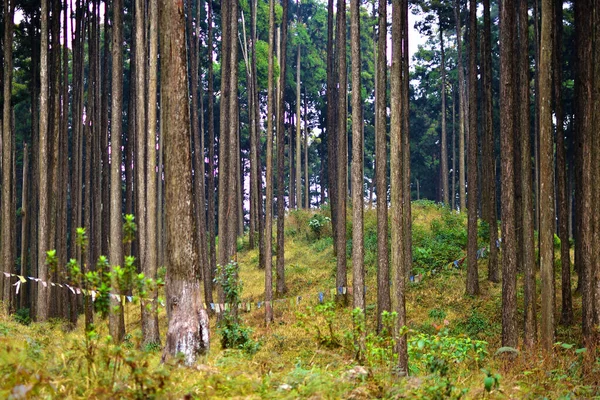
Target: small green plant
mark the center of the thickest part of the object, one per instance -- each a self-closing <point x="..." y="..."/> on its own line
<point x="318" y="317"/>
<point x="234" y="334"/>
<point x="317" y="224"/>
<point x="490" y="381"/>
<point x="437" y="314"/>
<point x="22" y="316"/>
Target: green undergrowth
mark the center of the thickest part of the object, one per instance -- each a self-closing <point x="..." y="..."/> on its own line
<point x="309" y="351"/>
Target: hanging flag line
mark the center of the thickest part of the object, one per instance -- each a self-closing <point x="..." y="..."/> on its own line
<point x="74" y="289"/>
<point x="220" y="307"/>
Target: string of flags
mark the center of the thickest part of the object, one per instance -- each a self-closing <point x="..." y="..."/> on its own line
<point x="218" y="307"/>
<point x="74" y="289"/>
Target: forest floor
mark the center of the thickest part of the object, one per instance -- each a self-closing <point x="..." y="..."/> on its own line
<point x="308" y="352"/>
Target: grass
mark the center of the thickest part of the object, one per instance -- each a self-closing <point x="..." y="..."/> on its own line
<point x="307" y="352"/>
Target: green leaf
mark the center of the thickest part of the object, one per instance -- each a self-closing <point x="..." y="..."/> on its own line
<point x="488" y="383"/>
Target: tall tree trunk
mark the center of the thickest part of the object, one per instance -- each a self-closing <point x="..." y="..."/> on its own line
<point x="43" y="220"/>
<point x="583" y="114"/>
<point x="507" y="145"/>
<point x="8" y="146"/>
<point x="150" y="331"/>
<point x="269" y="172"/>
<point x="525" y="234"/>
<point x="488" y="203"/>
<point x="188" y="322"/>
<point x="141" y="144"/>
<point x="331" y="127"/>
<point x="453" y="148"/>
<point x="444" y="144"/>
<point x="306" y="180"/>
<point x="298" y="122"/>
<point x="212" y="256"/>
<point x="280" y="285"/>
<point x="472" y="272"/>
<point x="562" y="192"/>
<point x="116" y="318"/>
<point x="358" y="250"/>
<point x="396" y="185"/>
<point x="341" y="277"/>
<point x="24" y="224"/>
<point x="547" y="214"/>
<point x="595" y="193"/>
<point x="462" y="113"/>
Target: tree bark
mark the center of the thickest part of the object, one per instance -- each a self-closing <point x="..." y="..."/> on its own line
<point x="507" y="145"/>
<point x="43" y="220"/>
<point x="547" y="214"/>
<point x="341" y="279"/>
<point x="8" y="145"/>
<point x="562" y="192"/>
<point x="188" y="322"/>
<point x="212" y="256"/>
<point x="116" y="319"/>
<point x="444" y="142"/>
<point x="525" y="217"/>
<point x="280" y="285"/>
<point x="269" y="172"/>
<point x="358" y="251"/>
<point x="488" y="203"/>
<point x="298" y="122"/>
<point x="24" y="223"/>
<point x="396" y="186"/>
<point x="150" y="330"/>
<point x="472" y="272"/>
<point x="583" y="114"/>
<point x="462" y="113"/>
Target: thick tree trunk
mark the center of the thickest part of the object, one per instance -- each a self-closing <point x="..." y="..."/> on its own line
<point x="472" y="272"/>
<point x="507" y="145"/>
<point x="116" y="319"/>
<point x="24" y="223"/>
<point x="488" y="192"/>
<point x="188" y="322"/>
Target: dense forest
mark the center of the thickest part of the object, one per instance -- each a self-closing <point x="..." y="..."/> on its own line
<point x="158" y="156"/>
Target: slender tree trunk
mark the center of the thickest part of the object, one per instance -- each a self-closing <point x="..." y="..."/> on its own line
<point x="396" y="186"/>
<point x="116" y="319"/>
<point x="188" y="322"/>
<point x="150" y="331"/>
<point x="583" y="114"/>
<point x="462" y="113"/>
<point x="595" y="191"/>
<point x="444" y="144"/>
<point x="358" y="250"/>
<point x="472" y="272"/>
<point x="212" y="256"/>
<point x="453" y="148"/>
<point x="306" y="180"/>
<point x="507" y="145"/>
<point x="298" y="122"/>
<point x="24" y="223"/>
<point x="341" y="278"/>
<point x="406" y="192"/>
<point x="562" y="192"/>
<point x="525" y="234"/>
<point x="280" y="285"/>
<point x="547" y="214"/>
<point x="8" y="146"/>
<point x="43" y="220"/>
<point x="488" y="203"/>
<point x="331" y="127"/>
